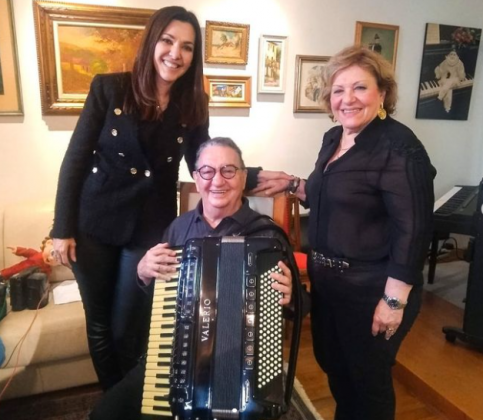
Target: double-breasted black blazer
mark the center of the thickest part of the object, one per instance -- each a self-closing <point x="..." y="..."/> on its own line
<point x="106" y="178"/>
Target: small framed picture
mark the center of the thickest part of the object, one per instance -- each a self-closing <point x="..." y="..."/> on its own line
<point x="229" y="91"/>
<point x="309" y="83"/>
<point x="380" y="38"/>
<point x="10" y="91"/>
<point x="226" y="43"/>
<point x="272" y="64"/>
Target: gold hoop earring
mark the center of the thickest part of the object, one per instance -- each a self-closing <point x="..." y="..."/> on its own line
<point x="381" y="112"/>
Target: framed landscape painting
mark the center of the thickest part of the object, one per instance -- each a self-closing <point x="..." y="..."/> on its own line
<point x="272" y="64"/>
<point x="75" y="42"/>
<point x="226" y="43"/>
<point x="10" y="91"/>
<point x="228" y="91"/>
<point x="309" y="83"/>
<point x="380" y="38"/>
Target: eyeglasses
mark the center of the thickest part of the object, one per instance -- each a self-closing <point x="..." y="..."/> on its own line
<point x="208" y="173"/>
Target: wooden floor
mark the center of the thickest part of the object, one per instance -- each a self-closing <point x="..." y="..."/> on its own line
<point x="434" y="379"/>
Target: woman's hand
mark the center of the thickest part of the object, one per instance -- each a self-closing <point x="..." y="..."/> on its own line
<point x="158" y="263"/>
<point x="272" y="182"/>
<point x="13" y="249"/>
<point x="284" y="284"/>
<point x="387" y="320"/>
<point x="65" y="251"/>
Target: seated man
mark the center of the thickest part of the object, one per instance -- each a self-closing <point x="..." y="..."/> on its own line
<point x="223" y="211"/>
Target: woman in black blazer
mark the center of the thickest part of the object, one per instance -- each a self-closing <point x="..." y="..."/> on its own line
<point x="117" y="184"/>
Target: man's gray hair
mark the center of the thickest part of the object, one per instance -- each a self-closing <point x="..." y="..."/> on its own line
<point x="223" y="142"/>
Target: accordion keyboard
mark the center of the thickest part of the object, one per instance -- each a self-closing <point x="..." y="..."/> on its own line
<point x="160" y="347"/>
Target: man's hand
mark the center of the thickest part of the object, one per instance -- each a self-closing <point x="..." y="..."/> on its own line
<point x="284" y="284"/>
<point x="158" y="263"/>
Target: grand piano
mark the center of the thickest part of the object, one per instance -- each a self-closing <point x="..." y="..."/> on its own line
<point x="454" y="212"/>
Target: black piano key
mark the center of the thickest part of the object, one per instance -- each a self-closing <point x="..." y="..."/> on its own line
<point x="457" y="201"/>
<point x="165" y="347"/>
<point x="161" y="398"/>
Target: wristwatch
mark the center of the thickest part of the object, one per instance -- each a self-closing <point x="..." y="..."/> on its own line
<point x="393" y="302"/>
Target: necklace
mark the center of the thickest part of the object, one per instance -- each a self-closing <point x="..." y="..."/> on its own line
<point x="341" y="152"/>
<point x="162" y="103"/>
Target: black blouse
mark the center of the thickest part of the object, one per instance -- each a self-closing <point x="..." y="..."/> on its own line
<point x="375" y="203"/>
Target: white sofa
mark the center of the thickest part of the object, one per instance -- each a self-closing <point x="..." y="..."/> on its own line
<point x="54" y="354"/>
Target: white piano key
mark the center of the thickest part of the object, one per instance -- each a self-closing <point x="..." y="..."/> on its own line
<point x="155" y="373"/>
<point x="153" y="380"/>
<point x="149" y="410"/>
<point x="160" y="391"/>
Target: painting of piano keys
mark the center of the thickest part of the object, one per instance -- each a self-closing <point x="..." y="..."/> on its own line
<point x="447" y="72"/>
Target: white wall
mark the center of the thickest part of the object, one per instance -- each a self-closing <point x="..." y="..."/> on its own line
<point x="269" y="133"/>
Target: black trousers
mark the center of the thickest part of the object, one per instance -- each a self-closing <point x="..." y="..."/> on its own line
<point x="123" y="401"/>
<point x="358" y="365"/>
<point x="117" y="310"/>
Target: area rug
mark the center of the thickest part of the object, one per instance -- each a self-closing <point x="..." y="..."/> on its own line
<point x="76" y="405"/>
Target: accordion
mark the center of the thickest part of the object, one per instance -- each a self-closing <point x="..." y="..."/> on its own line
<point x="216" y="339"/>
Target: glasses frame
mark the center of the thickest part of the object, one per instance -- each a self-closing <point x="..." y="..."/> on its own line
<point x="220" y="170"/>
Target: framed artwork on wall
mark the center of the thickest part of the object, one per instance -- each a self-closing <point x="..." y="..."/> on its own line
<point x="226" y="43"/>
<point x="229" y="91"/>
<point x="10" y="90"/>
<point x="308" y="83"/>
<point x="75" y="42"/>
<point x="272" y="64"/>
<point x="380" y="38"/>
<point x="447" y="72"/>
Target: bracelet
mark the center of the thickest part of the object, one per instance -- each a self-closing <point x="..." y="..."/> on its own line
<point x="293" y="185"/>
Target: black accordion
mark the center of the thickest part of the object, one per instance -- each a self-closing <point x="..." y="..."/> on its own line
<point x="216" y="339"/>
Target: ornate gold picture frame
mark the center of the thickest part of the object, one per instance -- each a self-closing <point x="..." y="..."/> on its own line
<point x="308" y="83"/>
<point x="226" y="43"/>
<point x="76" y="42"/>
<point x="379" y="37"/>
<point x="229" y="91"/>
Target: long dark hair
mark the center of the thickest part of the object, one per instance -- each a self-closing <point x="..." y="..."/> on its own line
<point x="187" y="92"/>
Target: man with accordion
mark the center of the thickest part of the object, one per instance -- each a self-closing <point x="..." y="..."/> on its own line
<point x="221" y="221"/>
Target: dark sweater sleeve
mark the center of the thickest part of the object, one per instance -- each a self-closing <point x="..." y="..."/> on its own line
<point x="407" y="186"/>
<point x="196" y="137"/>
<point x="76" y="160"/>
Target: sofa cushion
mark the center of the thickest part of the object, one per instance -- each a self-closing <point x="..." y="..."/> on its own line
<point x="56" y="332"/>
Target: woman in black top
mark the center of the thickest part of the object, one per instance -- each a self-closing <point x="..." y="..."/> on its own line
<point x="117" y="186"/>
<point x="371" y="205"/>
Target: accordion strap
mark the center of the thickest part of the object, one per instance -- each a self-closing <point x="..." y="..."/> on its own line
<point x="251" y="230"/>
